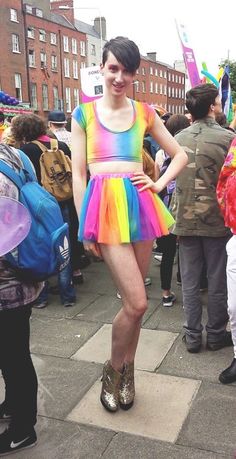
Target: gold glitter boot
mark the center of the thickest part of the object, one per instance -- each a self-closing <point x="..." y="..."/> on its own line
<point x="110" y="387"/>
<point x="127" y="389"/>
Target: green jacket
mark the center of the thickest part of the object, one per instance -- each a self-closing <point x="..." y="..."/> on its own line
<point x="196" y="209"/>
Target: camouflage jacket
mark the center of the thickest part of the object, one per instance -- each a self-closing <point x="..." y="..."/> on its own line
<point x="196" y="210"/>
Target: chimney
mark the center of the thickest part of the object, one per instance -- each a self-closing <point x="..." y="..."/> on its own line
<point x="152" y="56"/>
<point x="97" y="22"/>
<point x="68" y="14"/>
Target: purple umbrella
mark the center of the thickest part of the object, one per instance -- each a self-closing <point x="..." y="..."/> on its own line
<point x="15" y="223"/>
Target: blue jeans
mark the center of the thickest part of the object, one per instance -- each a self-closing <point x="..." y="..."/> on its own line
<point x="65" y="283"/>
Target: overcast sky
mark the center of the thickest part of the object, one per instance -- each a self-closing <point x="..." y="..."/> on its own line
<point x="211" y="29"/>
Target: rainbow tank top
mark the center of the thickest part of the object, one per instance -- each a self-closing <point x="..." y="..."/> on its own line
<point x="106" y="145"/>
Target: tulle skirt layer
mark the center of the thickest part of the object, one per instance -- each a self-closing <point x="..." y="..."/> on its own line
<point x="115" y="212"/>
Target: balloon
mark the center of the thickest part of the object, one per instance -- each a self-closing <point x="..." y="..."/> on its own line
<point x="220" y="73"/>
<point x="211" y="77"/>
<point x="204" y="66"/>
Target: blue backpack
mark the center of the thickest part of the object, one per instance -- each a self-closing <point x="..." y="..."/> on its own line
<point x="45" y="250"/>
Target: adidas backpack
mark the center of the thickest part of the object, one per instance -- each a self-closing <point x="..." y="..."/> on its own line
<point x="56" y="171"/>
<point x="45" y="250"/>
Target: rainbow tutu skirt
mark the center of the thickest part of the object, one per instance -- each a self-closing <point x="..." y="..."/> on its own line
<point x="115" y="212"/>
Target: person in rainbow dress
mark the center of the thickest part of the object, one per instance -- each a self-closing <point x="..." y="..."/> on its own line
<point x="226" y="191"/>
<point x="120" y="213"/>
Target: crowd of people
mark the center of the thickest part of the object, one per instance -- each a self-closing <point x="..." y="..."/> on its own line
<point x="137" y="179"/>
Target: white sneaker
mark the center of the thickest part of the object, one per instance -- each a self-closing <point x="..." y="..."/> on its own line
<point x="158" y="257"/>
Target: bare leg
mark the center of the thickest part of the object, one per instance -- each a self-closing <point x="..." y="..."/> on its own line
<point x="125" y="262"/>
<point x="143" y="251"/>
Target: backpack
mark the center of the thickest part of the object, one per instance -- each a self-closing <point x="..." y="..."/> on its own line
<point x="166" y="193"/>
<point x="45" y="250"/>
<point x="56" y="171"/>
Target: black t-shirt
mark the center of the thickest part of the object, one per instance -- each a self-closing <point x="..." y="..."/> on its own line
<point x="33" y="152"/>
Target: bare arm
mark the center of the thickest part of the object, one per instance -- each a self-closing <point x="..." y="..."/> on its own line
<point x="175" y="151"/>
<point x="79" y="175"/>
<point x="79" y="167"/>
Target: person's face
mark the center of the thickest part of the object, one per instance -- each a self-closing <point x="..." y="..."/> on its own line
<point x="217" y="105"/>
<point x="116" y="77"/>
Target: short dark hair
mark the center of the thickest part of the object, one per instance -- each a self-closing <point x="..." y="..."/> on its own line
<point x="2" y="117"/>
<point x="176" y="123"/>
<point x="125" y="51"/>
<point x="28" y="127"/>
<point x="200" y="98"/>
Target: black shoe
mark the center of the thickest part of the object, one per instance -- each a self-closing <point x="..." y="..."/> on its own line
<point x="229" y="375"/>
<point x="11" y="443"/>
<point x="226" y="341"/>
<point x="4" y="413"/>
<point x="193" y="348"/>
<point x="78" y="279"/>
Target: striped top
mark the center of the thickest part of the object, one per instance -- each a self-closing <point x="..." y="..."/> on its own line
<point x="106" y="145"/>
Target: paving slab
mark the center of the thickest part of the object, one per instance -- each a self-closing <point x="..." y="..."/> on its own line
<point x="211" y="420"/>
<point x="98" y="282"/>
<point x="105" y="307"/>
<point x="125" y="446"/>
<point x="206" y="365"/>
<point x="62" y="384"/>
<point x="66" y="440"/>
<point x="152" y="348"/>
<point x="158" y="404"/>
<point x="166" y="318"/>
<point x="58" y="337"/>
<point x="56" y="310"/>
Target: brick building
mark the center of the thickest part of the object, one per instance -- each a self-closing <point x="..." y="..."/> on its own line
<point x="13" y="68"/>
<point x="46" y="47"/>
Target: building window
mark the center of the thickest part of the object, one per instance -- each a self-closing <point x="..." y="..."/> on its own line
<point x="53" y="38"/>
<point x="66" y="67"/>
<point x="31" y="58"/>
<point x="151" y="86"/>
<point x="82" y="65"/>
<point x="75" y="70"/>
<point x="143" y="86"/>
<point x="68" y="100"/>
<point x="30" y="32"/>
<point x="43" y="60"/>
<point x="54" y="63"/>
<point x="66" y="44"/>
<point x="173" y="92"/>
<point x="42" y="35"/>
<point x="169" y="91"/>
<point x="93" y="50"/>
<point x="164" y="88"/>
<point x="156" y="72"/>
<point x="45" y="96"/>
<point x="18" y="86"/>
<point x="13" y="15"/>
<point x="29" y="9"/>
<point x="76" y="97"/>
<point x="165" y="74"/>
<point x="74" y="47"/>
<point x="161" y="73"/>
<point x="156" y="88"/>
<point x="39" y="13"/>
<point x="82" y="48"/>
<point x="160" y="88"/>
<point x="151" y="71"/>
<point x="173" y="78"/>
<point x="34" y="101"/>
<point x="15" y="43"/>
<point x="143" y="71"/>
<point x="55" y="98"/>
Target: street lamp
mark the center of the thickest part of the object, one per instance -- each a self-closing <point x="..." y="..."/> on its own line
<point x="67" y="7"/>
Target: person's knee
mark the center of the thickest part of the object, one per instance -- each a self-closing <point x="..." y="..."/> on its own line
<point x="137" y="310"/>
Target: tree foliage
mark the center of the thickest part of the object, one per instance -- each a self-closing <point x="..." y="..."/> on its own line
<point x="232" y="73"/>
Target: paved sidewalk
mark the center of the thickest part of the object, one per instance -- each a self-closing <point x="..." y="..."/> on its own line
<point x="181" y="410"/>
